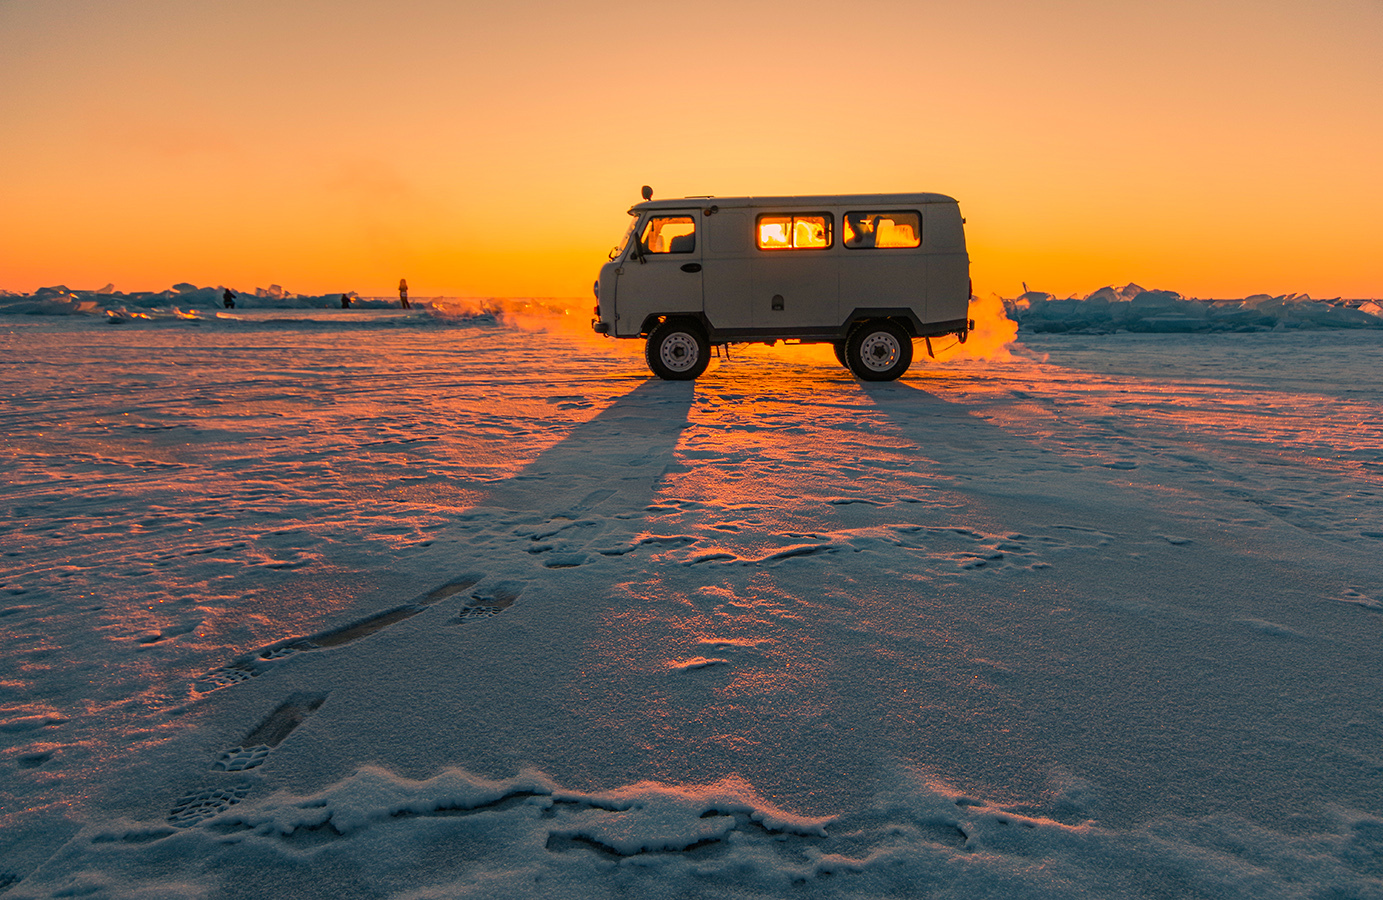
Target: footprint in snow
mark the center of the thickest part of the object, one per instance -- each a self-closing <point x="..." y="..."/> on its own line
<point x="489" y="603"/>
<point x="254" y="748"/>
<point x="238" y="759"/>
<point x="199" y="806"/>
<point x="208" y="802"/>
<point x="251" y="666"/>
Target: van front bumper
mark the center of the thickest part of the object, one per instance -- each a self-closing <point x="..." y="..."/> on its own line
<point x="600" y="327"/>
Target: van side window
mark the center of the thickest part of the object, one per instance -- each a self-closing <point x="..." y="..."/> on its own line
<point x="805" y="232"/>
<point x="669" y="234"/>
<point x="885" y="230"/>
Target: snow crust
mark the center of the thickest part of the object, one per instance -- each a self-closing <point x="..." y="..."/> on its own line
<point x="458" y="608"/>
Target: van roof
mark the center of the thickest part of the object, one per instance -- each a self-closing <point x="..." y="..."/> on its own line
<point x="805" y="201"/>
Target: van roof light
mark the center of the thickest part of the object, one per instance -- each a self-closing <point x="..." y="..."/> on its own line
<point x="647" y="192"/>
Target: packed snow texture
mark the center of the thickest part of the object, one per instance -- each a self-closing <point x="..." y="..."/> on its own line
<point x="371" y="606"/>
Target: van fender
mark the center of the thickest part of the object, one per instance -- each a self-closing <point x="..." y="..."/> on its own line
<point x="654" y="320"/>
<point x="903" y="315"/>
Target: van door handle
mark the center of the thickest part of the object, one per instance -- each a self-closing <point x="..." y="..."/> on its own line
<point x="691" y="267"/>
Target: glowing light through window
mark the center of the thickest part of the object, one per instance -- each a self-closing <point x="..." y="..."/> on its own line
<point x="781" y="232"/>
<point x="669" y="234"/>
<point x="884" y="230"/>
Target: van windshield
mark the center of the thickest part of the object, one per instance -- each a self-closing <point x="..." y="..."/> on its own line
<point x="624" y="241"/>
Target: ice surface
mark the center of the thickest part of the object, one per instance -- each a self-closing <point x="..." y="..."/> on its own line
<point x="272" y="305"/>
<point x="443" y="607"/>
<point x="1108" y="310"/>
<point x="1132" y="308"/>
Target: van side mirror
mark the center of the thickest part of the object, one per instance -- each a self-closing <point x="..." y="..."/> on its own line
<point x="647" y="192"/>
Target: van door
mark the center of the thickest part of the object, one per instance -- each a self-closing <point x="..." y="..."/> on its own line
<point x="796" y="274"/>
<point x="948" y="276"/>
<point x="729" y="274"/>
<point x="662" y="269"/>
<point x="884" y="263"/>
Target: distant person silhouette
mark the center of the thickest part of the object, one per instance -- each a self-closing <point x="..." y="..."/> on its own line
<point x="228" y="298"/>
<point x="345" y="301"/>
<point x="403" y="293"/>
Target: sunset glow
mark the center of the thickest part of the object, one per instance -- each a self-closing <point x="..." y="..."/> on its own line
<point x="1215" y="149"/>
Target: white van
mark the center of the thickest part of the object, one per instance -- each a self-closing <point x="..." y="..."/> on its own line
<point x="867" y="273"/>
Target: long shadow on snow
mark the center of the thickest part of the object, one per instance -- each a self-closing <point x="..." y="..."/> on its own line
<point x="613" y="461"/>
<point x="616" y="458"/>
<point x="1155" y="668"/>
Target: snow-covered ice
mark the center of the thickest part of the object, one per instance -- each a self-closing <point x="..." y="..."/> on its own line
<point x="1129" y="308"/>
<point x="1132" y="308"/>
<point x="366" y="605"/>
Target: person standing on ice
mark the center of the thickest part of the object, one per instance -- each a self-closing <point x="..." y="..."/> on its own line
<point x="403" y="293"/>
<point x="345" y="301"/>
<point x="228" y="298"/>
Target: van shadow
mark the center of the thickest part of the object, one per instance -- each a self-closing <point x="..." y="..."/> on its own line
<point x="595" y="484"/>
<point x="1128" y="629"/>
<point x="982" y="458"/>
<point x="586" y="492"/>
<point x="613" y="460"/>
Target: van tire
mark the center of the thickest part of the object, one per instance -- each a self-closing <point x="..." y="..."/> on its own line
<point x="879" y="350"/>
<point x="677" y="350"/>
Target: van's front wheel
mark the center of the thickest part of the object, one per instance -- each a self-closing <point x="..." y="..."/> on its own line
<point x="878" y="351"/>
<point x="677" y="351"/>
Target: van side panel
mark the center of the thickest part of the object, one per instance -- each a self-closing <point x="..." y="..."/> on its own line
<point x="728" y="276"/>
<point x="948" y="273"/>
<point x="948" y="287"/>
<point x="796" y="288"/>
<point x="883" y="278"/>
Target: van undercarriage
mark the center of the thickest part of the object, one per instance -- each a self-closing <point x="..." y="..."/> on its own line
<point x="874" y="348"/>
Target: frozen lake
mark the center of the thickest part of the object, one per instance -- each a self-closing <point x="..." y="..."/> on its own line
<point x="377" y="606"/>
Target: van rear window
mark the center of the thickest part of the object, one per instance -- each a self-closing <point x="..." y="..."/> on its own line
<point x="884" y="230"/>
<point x="787" y="232"/>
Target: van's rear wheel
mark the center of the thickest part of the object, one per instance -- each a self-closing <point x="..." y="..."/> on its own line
<point x="677" y="351"/>
<point x="878" y="351"/>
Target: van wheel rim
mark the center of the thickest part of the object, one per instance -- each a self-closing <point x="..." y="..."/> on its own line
<point x="678" y="351"/>
<point x="879" y="351"/>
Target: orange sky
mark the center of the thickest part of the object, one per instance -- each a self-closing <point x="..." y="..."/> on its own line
<point x="1216" y="147"/>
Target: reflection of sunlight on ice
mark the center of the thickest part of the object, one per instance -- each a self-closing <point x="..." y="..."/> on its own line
<point x="813" y="355"/>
